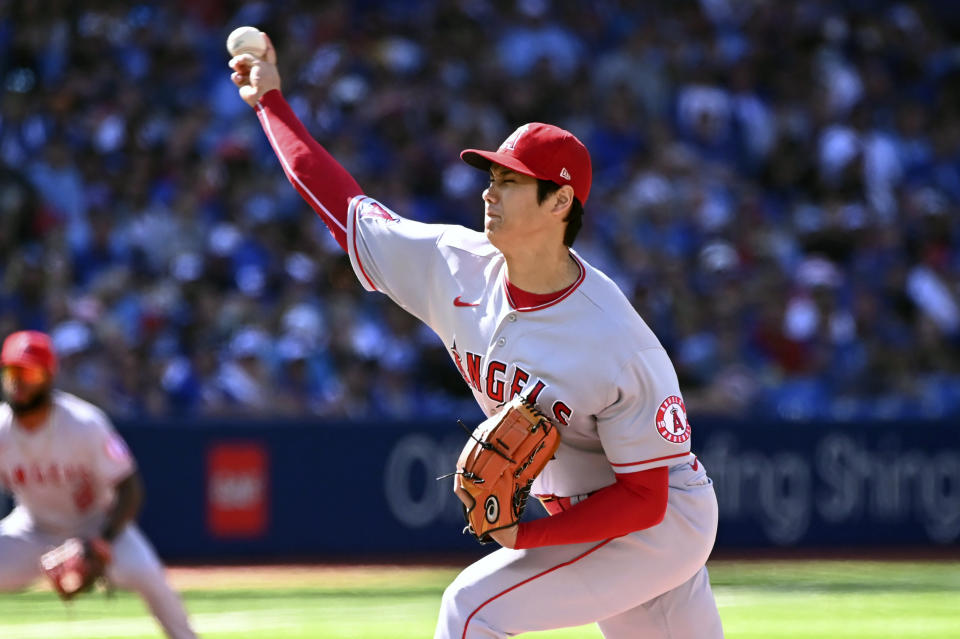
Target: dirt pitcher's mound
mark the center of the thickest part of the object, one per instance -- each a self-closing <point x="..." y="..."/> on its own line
<point x="301" y="575"/>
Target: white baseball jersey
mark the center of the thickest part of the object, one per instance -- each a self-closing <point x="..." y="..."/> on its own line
<point x="587" y="358"/>
<point x="588" y="361"/>
<point x="64" y="472"/>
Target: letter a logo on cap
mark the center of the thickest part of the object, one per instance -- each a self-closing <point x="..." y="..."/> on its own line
<point x="511" y="142"/>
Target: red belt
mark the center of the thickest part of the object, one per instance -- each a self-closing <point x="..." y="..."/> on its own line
<point x="554" y="504"/>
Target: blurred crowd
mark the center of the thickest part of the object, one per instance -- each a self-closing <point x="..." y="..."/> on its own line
<point x="776" y="188"/>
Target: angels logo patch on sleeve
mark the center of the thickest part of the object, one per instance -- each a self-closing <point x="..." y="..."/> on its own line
<point x="672" y="420"/>
<point x="372" y="208"/>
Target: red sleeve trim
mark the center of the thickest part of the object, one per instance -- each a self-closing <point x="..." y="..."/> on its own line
<point x="635" y="502"/>
<point x="352" y="239"/>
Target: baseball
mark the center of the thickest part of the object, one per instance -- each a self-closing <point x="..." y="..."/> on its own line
<point x="247" y="40"/>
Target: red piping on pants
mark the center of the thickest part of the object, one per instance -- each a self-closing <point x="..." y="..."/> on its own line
<point x="499" y="594"/>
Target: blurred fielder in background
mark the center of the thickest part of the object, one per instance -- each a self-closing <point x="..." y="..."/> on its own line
<point x="634" y="515"/>
<point x="76" y="487"/>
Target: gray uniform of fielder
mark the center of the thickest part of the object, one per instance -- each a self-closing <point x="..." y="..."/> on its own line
<point x="62" y="476"/>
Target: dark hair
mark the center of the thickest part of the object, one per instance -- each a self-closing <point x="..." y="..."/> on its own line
<point x="574" y="218"/>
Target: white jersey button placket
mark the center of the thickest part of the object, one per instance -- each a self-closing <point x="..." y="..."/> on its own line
<point x="502" y="327"/>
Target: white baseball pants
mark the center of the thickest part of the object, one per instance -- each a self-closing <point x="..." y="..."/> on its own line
<point x="135" y="566"/>
<point x="651" y="584"/>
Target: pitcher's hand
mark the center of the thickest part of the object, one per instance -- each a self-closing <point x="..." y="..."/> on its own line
<point x="255" y="76"/>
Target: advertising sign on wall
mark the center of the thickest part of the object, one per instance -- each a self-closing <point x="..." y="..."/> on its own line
<point x="237" y="489"/>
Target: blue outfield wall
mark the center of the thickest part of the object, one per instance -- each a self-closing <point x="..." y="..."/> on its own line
<point x="370" y="488"/>
<point x="322" y="489"/>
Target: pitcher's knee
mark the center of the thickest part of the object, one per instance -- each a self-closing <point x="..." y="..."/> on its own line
<point x="462" y="611"/>
<point x="452" y="603"/>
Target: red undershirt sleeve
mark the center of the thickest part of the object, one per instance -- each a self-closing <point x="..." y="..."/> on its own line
<point x="636" y="501"/>
<point x="325" y="185"/>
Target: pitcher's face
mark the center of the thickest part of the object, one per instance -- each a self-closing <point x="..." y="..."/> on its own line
<point x="510" y="207"/>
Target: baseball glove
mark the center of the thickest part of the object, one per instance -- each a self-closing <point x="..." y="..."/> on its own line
<point x="497" y="466"/>
<point x="75" y="565"/>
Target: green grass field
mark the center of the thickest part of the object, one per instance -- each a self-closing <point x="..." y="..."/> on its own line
<point x="762" y="599"/>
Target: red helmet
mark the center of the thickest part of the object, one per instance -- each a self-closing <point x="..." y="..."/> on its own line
<point x="29" y="348"/>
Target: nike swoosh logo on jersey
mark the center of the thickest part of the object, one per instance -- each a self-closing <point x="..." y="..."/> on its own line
<point x="459" y="302"/>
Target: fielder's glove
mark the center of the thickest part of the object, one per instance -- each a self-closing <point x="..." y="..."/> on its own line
<point x="499" y="463"/>
<point x="75" y="565"/>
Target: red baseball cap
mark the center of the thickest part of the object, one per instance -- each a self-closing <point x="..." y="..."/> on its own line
<point x="543" y="151"/>
<point x="29" y="348"/>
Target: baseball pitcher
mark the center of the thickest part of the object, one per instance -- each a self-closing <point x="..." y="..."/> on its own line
<point x="76" y="488"/>
<point x="584" y="406"/>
